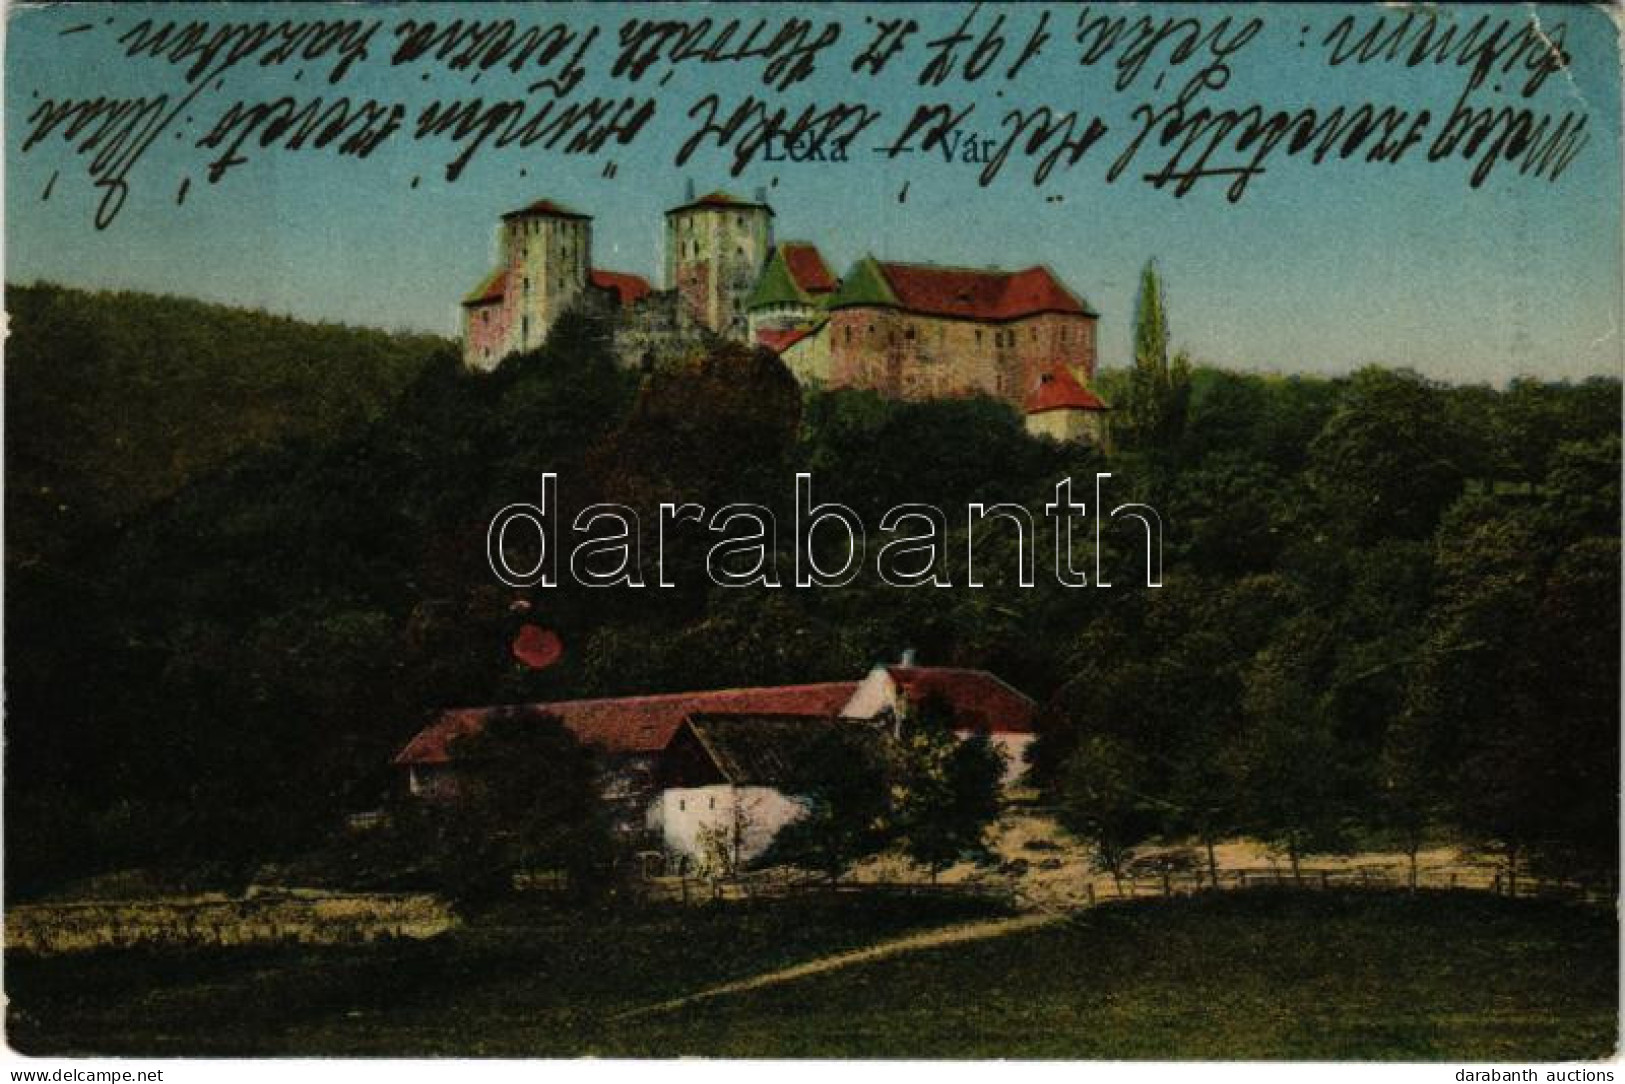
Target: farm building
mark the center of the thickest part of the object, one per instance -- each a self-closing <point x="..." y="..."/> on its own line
<point x="728" y="782"/>
<point x="630" y="732"/>
<point x="682" y="765"/>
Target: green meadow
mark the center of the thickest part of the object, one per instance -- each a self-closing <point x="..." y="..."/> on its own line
<point x="1257" y="975"/>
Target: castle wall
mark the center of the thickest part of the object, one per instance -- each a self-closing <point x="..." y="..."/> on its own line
<point x="781" y="317"/>
<point x="1085" y="426"/>
<point x="657" y="330"/>
<point x="485" y="335"/>
<point x="909" y="356"/>
<point x="696" y="291"/>
<point x="809" y="358"/>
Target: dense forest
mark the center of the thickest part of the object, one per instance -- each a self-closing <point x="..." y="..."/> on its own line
<point x="245" y="560"/>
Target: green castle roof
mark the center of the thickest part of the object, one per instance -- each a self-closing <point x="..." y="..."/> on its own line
<point x="777" y="286"/>
<point x="865" y="284"/>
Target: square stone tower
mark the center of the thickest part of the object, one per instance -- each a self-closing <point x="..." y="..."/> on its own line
<point x="547" y="253"/>
<point x="716" y="247"/>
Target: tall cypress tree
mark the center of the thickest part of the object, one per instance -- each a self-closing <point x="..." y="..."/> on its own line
<point x="1158" y="391"/>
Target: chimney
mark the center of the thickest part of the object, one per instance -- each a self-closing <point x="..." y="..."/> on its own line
<point x="908" y="657"/>
<point x="688" y="190"/>
<point x="761" y="195"/>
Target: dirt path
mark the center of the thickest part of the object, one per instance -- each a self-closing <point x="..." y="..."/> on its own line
<point x="944" y="935"/>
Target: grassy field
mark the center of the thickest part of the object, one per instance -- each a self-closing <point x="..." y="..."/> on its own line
<point x="1458" y="976"/>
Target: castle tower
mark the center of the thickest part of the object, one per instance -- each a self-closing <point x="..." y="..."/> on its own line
<point x="716" y="247"/>
<point x="547" y="253"/>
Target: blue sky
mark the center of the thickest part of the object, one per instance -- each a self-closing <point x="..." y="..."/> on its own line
<point x="1317" y="269"/>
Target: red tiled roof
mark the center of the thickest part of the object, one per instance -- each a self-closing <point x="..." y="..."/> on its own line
<point x="1058" y="389"/>
<point x="719" y="199"/>
<point x="779" y="340"/>
<point x="545" y="207"/>
<point x="628" y="288"/>
<point x="490" y="290"/>
<point x="979" y="295"/>
<point x="807" y="267"/>
<point x="979" y="700"/>
<point x="634" y="724"/>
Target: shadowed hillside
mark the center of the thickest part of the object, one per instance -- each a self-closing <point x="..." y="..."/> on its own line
<point x="114" y="400"/>
<point x="246" y="560"/>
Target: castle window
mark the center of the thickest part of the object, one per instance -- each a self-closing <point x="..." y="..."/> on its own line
<point x="978" y="336"/>
<point x="908" y="333"/>
<point x="524" y="329"/>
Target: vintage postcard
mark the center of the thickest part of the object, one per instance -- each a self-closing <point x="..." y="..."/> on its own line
<point x="907" y="531"/>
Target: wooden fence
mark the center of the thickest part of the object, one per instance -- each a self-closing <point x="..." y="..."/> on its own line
<point x="694" y="890"/>
<point x="783" y="885"/>
<point x="1388" y="878"/>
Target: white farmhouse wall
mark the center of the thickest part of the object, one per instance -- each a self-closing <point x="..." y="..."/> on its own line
<point x="436" y="782"/>
<point x="876" y="693"/>
<point x="681" y="815"/>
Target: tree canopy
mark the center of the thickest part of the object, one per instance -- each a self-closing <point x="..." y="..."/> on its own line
<point x="1391" y="605"/>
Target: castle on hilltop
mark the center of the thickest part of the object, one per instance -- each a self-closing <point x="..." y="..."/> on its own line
<point x="905" y="330"/>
